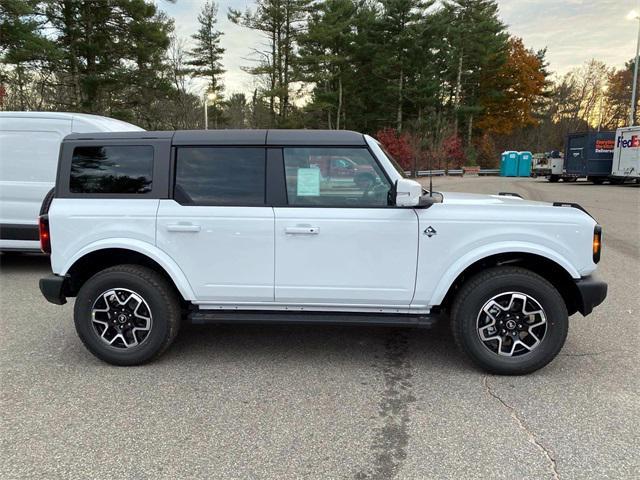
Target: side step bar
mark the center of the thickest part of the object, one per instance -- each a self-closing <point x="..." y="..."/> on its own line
<point x="200" y="317"/>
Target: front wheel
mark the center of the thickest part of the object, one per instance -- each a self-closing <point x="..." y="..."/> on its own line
<point x="509" y="320"/>
<point x="127" y="314"/>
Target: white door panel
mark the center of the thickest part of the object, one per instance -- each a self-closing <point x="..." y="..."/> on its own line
<point x="226" y="252"/>
<point x="364" y="256"/>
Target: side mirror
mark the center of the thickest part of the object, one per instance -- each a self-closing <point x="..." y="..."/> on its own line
<point x="407" y="193"/>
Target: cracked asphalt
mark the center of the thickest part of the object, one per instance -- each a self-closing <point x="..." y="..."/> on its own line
<point x="261" y="402"/>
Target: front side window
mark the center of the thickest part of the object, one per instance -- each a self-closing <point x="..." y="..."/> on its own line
<point x="112" y="169"/>
<point x="220" y="176"/>
<point x="340" y="177"/>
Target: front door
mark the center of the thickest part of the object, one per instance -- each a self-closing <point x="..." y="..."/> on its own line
<point x="217" y="228"/>
<point x="338" y="242"/>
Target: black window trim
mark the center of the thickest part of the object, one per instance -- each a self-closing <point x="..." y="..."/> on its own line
<point x="174" y="178"/>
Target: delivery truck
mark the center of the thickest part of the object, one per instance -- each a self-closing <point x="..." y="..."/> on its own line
<point x="626" y="155"/>
<point x="590" y="154"/>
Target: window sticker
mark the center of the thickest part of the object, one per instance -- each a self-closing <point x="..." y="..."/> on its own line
<point x="308" y="182"/>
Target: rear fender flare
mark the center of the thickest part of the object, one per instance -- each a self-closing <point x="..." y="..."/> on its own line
<point x="154" y="253"/>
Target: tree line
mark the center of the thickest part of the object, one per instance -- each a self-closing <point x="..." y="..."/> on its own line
<point x="444" y="84"/>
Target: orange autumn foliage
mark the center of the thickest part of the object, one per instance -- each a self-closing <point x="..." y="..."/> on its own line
<point x="521" y="82"/>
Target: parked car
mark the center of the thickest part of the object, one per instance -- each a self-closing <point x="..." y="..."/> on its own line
<point x="147" y="229"/>
<point x="29" y="148"/>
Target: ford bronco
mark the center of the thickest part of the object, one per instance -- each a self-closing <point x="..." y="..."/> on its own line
<point x="148" y="229"/>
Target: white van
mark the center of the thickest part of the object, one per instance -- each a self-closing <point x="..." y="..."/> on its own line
<point x="626" y="155"/>
<point x="29" y="147"/>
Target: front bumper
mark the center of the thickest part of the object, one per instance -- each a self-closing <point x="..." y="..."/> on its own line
<point x="592" y="293"/>
<point x="53" y="289"/>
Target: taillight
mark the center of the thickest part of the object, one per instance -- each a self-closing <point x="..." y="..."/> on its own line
<point x="597" y="243"/>
<point x="45" y="237"/>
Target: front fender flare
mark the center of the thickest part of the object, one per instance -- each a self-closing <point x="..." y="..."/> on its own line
<point x="452" y="273"/>
<point x="144" y="248"/>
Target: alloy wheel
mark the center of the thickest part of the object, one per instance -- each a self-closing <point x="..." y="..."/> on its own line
<point x="511" y="324"/>
<point x="121" y="318"/>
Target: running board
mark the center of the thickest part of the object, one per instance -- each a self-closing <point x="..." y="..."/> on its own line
<point x="311" y="318"/>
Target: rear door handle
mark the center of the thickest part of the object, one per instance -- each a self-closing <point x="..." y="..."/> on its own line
<point x="302" y="230"/>
<point x="183" y="227"/>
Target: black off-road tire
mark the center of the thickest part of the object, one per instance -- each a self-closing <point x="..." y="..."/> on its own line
<point x="154" y="289"/>
<point x="553" y="178"/>
<point x="479" y="289"/>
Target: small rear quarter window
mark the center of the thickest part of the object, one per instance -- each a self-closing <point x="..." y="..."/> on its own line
<point x="113" y="169"/>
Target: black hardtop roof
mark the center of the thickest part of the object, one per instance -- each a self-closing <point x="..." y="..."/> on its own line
<point x="235" y="137"/>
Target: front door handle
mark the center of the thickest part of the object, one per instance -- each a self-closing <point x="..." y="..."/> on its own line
<point x="302" y="230"/>
<point x="183" y="227"/>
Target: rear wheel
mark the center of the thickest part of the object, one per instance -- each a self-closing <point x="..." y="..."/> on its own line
<point x="509" y="320"/>
<point x="553" y="178"/>
<point x="127" y="314"/>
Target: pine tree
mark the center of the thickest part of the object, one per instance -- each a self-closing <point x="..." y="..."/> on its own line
<point x="324" y="56"/>
<point x="280" y="22"/>
<point x="23" y="46"/>
<point x="401" y="21"/>
<point x="112" y="55"/>
<point x="475" y="47"/>
<point x="205" y="58"/>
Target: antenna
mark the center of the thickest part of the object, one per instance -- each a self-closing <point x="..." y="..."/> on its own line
<point x="430" y="178"/>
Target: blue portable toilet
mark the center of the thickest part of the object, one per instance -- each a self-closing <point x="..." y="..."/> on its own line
<point x="509" y="164"/>
<point x="524" y="164"/>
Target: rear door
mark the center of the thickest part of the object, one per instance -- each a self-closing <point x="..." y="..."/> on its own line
<point x="217" y="227"/>
<point x="337" y="240"/>
<point x="575" y="158"/>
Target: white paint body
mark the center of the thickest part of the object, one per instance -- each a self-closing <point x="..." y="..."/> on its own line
<point x="322" y="259"/>
<point x="29" y="147"/>
<point x="626" y="153"/>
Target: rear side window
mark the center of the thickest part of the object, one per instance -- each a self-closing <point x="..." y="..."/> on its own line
<point x="112" y="169"/>
<point x="220" y="176"/>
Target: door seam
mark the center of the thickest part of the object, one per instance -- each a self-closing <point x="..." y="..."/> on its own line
<point x="273" y="210"/>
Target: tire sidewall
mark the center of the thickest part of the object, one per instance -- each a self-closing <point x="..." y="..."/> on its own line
<point x="89" y="293"/>
<point x="548" y="298"/>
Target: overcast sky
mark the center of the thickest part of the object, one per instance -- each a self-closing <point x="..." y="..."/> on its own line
<point x="573" y="31"/>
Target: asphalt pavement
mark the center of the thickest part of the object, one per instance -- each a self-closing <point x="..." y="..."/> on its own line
<point x="289" y="402"/>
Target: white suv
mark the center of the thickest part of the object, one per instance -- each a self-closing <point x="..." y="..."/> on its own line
<point x="149" y="228"/>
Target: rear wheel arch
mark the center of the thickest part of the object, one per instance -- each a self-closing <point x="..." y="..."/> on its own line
<point x="548" y="269"/>
<point x="98" y="260"/>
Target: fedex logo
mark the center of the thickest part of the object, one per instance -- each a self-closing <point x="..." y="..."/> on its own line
<point x="633" y="142"/>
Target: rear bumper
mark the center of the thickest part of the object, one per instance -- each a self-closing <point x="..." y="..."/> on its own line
<point x="592" y="293"/>
<point x="53" y="289"/>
